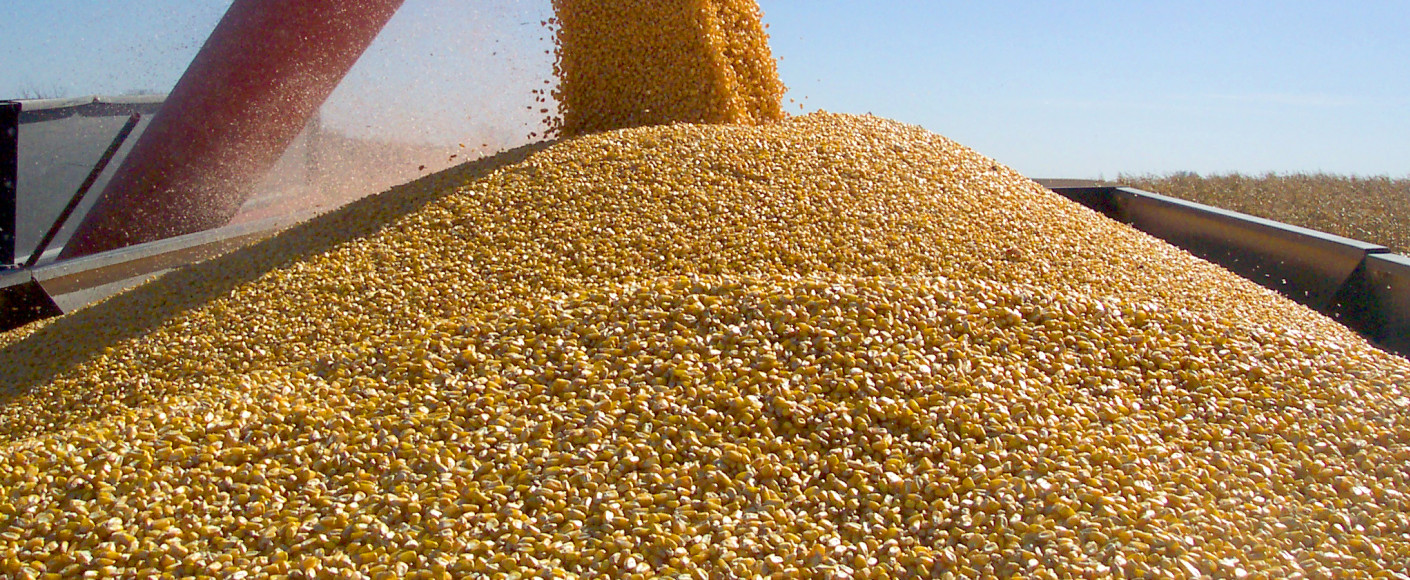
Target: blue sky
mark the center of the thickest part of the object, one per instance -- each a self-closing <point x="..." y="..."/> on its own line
<point x="1055" y="88"/>
<point x="1092" y="88"/>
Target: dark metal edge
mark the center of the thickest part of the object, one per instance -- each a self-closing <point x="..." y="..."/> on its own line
<point x="90" y="271"/>
<point x="27" y="295"/>
<point x="9" y="179"/>
<point x="40" y="111"/>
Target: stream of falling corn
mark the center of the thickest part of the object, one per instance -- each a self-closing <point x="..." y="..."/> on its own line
<point x="631" y="63"/>
<point x="832" y="346"/>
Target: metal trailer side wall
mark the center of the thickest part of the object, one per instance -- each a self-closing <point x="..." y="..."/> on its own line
<point x="1359" y="284"/>
<point x="1306" y="265"/>
<point x="1388" y="288"/>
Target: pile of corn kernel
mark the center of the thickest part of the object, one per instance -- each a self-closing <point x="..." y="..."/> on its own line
<point x="631" y="63"/>
<point x="830" y="347"/>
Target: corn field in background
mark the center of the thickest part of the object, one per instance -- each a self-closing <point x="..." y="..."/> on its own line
<point x="1371" y="209"/>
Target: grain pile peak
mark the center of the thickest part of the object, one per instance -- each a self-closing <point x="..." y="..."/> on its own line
<point x="834" y="346"/>
<point x="634" y="63"/>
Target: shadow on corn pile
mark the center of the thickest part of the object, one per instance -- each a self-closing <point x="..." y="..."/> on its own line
<point x="31" y="360"/>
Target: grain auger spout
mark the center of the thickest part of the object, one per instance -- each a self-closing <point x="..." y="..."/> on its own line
<point x="258" y="79"/>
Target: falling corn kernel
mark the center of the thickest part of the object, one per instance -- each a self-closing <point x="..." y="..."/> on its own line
<point x="642" y="62"/>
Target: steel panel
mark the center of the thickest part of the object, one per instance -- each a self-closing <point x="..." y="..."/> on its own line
<point x="1388" y="285"/>
<point x="1308" y="266"/>
<point x="1359" y="284"/>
